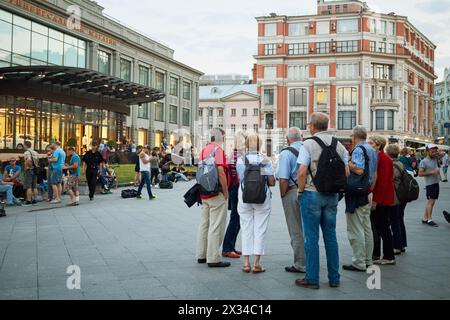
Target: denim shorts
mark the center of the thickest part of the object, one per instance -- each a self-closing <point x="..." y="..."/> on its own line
<point x="56" y="177"/>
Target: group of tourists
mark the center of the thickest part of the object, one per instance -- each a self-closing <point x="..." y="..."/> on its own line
<point x="314" y="174"/>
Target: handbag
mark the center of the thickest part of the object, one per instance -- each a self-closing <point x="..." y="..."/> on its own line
<point x="192" y="196"/>
<point x="359" y="185"/>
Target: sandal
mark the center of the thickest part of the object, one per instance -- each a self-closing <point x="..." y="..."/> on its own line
<point x="258" y="269"/>
<point x="247" y="269"/>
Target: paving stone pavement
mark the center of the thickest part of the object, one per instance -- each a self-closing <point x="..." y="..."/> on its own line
<point x="137" y="249"/>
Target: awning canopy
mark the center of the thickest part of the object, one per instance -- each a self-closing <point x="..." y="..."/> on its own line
<point x="75" y="86"/>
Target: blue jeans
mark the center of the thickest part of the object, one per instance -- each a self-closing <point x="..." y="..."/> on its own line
<point x="8" y="190"/>
<point x="234" y="225"/>
<point x="319" y="209"/>
<point x="145" y="179"/>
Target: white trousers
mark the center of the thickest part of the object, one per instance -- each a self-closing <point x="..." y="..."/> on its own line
<point x="254" y="219"/>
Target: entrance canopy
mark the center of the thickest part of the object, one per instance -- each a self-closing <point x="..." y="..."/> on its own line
<point x="82" y="87"/>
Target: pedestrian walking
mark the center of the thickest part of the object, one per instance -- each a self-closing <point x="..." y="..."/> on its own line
<point x="144" y="167"/>
<point x="73" y="181"/>
<point x="287" y="176"/>
<point x="383" y="204"/>
<point x="445" y="163"/>
<point x="430" y="171"/>
<point x="323" y="167"/>
<point x="363" y="166"/>
<point x="213" y="185"/>
<point x="93" y="164"/>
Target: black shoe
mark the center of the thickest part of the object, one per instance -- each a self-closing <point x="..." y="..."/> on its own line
<point x="350" y="267"/>
<point x="447" y="216"/>
<point x="431" y="223"/>
<point x="91" y="198"/>
<point x="293" y="269"/>
<point x="424" y="221"/>
<point x="334" y="285"/>
<point x="201" y="261"/>
<point x="27" y="204"/>
<point x="219" y="265"/>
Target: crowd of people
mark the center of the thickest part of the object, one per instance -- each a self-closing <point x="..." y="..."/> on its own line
<point x="314" y="174"/>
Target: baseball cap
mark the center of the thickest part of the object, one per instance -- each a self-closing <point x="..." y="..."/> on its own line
<point x="432" y="146"/>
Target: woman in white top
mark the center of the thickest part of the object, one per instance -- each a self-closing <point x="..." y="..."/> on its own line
<point x="144" y="167"/>
<point x="254" y="218"/>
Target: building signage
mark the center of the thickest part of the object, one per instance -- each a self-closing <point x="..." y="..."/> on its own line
<point x="62" y="21"/>
<point x="447" y="125"/>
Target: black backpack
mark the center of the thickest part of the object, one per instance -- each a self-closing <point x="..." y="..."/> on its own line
<point x="330" y="176"/>
<point x="129" y="193"/>
<point x="359" y="185"/>
<point x="407" y="189"/>
<point x="254" y="187"/>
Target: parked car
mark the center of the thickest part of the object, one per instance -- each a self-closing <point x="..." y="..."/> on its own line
<point x="6" y="142"/>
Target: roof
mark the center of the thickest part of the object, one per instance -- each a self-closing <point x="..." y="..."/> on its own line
<point x="222" y="92"/>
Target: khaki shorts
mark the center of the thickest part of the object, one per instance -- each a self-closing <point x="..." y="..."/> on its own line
<point x="72" y="183"/>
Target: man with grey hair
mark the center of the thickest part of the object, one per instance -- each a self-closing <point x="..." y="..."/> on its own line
<point x="287" y="176"/>
<point x="214" y="207"/>
<point x="363" y="167"/>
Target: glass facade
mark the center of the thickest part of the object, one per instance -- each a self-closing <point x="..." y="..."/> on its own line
<point x="44" y="122"/>
<point x="23" y="42"/>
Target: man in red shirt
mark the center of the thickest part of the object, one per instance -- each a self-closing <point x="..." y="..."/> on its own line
<point x="383" y="199"/>
<point x="214" y="208"/>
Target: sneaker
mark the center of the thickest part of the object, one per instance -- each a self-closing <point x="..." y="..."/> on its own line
<point x="431" y="223"/>
<point x="397" y="252"/>
<point x="55" y="201"/>
<point x="385" y="262"/>
<point x="27" y="204"/>
<point x="139" y="197"/>
<point x="152" y="197"/>
<point x="447" y="216"/>
<point x="34" y="203"/>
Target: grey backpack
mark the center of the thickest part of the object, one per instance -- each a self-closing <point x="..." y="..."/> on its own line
<point x="208" y="175"/>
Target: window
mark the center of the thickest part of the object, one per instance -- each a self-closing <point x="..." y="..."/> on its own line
<point x="255" y="128"/>
<point x="104" y="62"/>
<point x="298" y="72"/>
<point x="270" y="49"/>
<point x="322" y="27"/>
<point x="382" y="47"/>
<point x="323" y="47"/>
<point x="322" y="71"/>
<point x="143" y="111"/>
<point x="338" y="8"/>
<point x="346" y="120"/>
<point x="347" y="46"/>
<point x="382" y="71"/>
<point x="173" y="114"/>
<point x="347" y="71"/>
<point x="143" y="75"/>
<point x="200" y="113"/>
<point x="125" y="69"/>
<point x="298" y="119"/>
<point x="233" y="112"/>
<point x="298" y="97"/>
<point x="298" y="29"/>
<point x="391" y="29"/>
<point x="347" y="26"/>
<point x="347" y="96"/>
<point x="269" y="97"/>
<point x="382" y="29"/>
<point x="186" y="90"/>
<point x="269" y="121"/>
<point x="159" y="81"/>
<point x="391" y="48"/>
<point x="186" y="117"/>
<point x="244" y="112"/>
<point x="373" y="46"/>
<point x="373" y="26"/>
<point x="173" y="90"/>
<point x="390" y="119"/>
<point x="255" y="112"/>
<point x="379" y="119"/>
<point x="270" y="73"/>
<point x="159" y="111"/>
<point x="210" y="112"/>
<point x="244" y="127"/>
<point x="298" y="48"/>
<point x="220" y="113"/>
<point x="233" y="128"/>
<point x="322" y="96"/>
<point x="270" y="29"/>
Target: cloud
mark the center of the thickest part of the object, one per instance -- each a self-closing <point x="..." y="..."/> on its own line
<point x="221" y="37"/>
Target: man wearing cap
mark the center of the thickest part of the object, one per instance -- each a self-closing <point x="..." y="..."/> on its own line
<point x="430" y="171"/>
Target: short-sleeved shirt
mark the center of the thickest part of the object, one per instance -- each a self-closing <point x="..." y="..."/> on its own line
<point x="429" y="165"/>
<point x="12" y="170"/>
<point x="220" y="157"/>
<point x="76" y="159"/>
<point x="93" y="160"/>
<point x="60" y="156"/>
<point x="33" y="156"/>
<point x="254" y="158"/>
<point x="287" y="164"/>
<point x="359" y="161"/>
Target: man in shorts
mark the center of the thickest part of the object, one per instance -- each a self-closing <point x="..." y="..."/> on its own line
<point x="74" y="178"/>
<point x="57" y="160"/>
<point x="30" y="177"/>
<point x="430" y="171"/>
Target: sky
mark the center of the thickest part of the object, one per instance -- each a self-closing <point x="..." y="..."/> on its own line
<point x="220" y="37"/>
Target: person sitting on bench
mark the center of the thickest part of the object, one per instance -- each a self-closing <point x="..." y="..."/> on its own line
<point x="7" y="189"/>
<point x="12" y="174"/>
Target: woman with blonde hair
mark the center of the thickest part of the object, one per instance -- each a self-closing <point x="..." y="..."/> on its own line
<point x="256" y="176"/>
